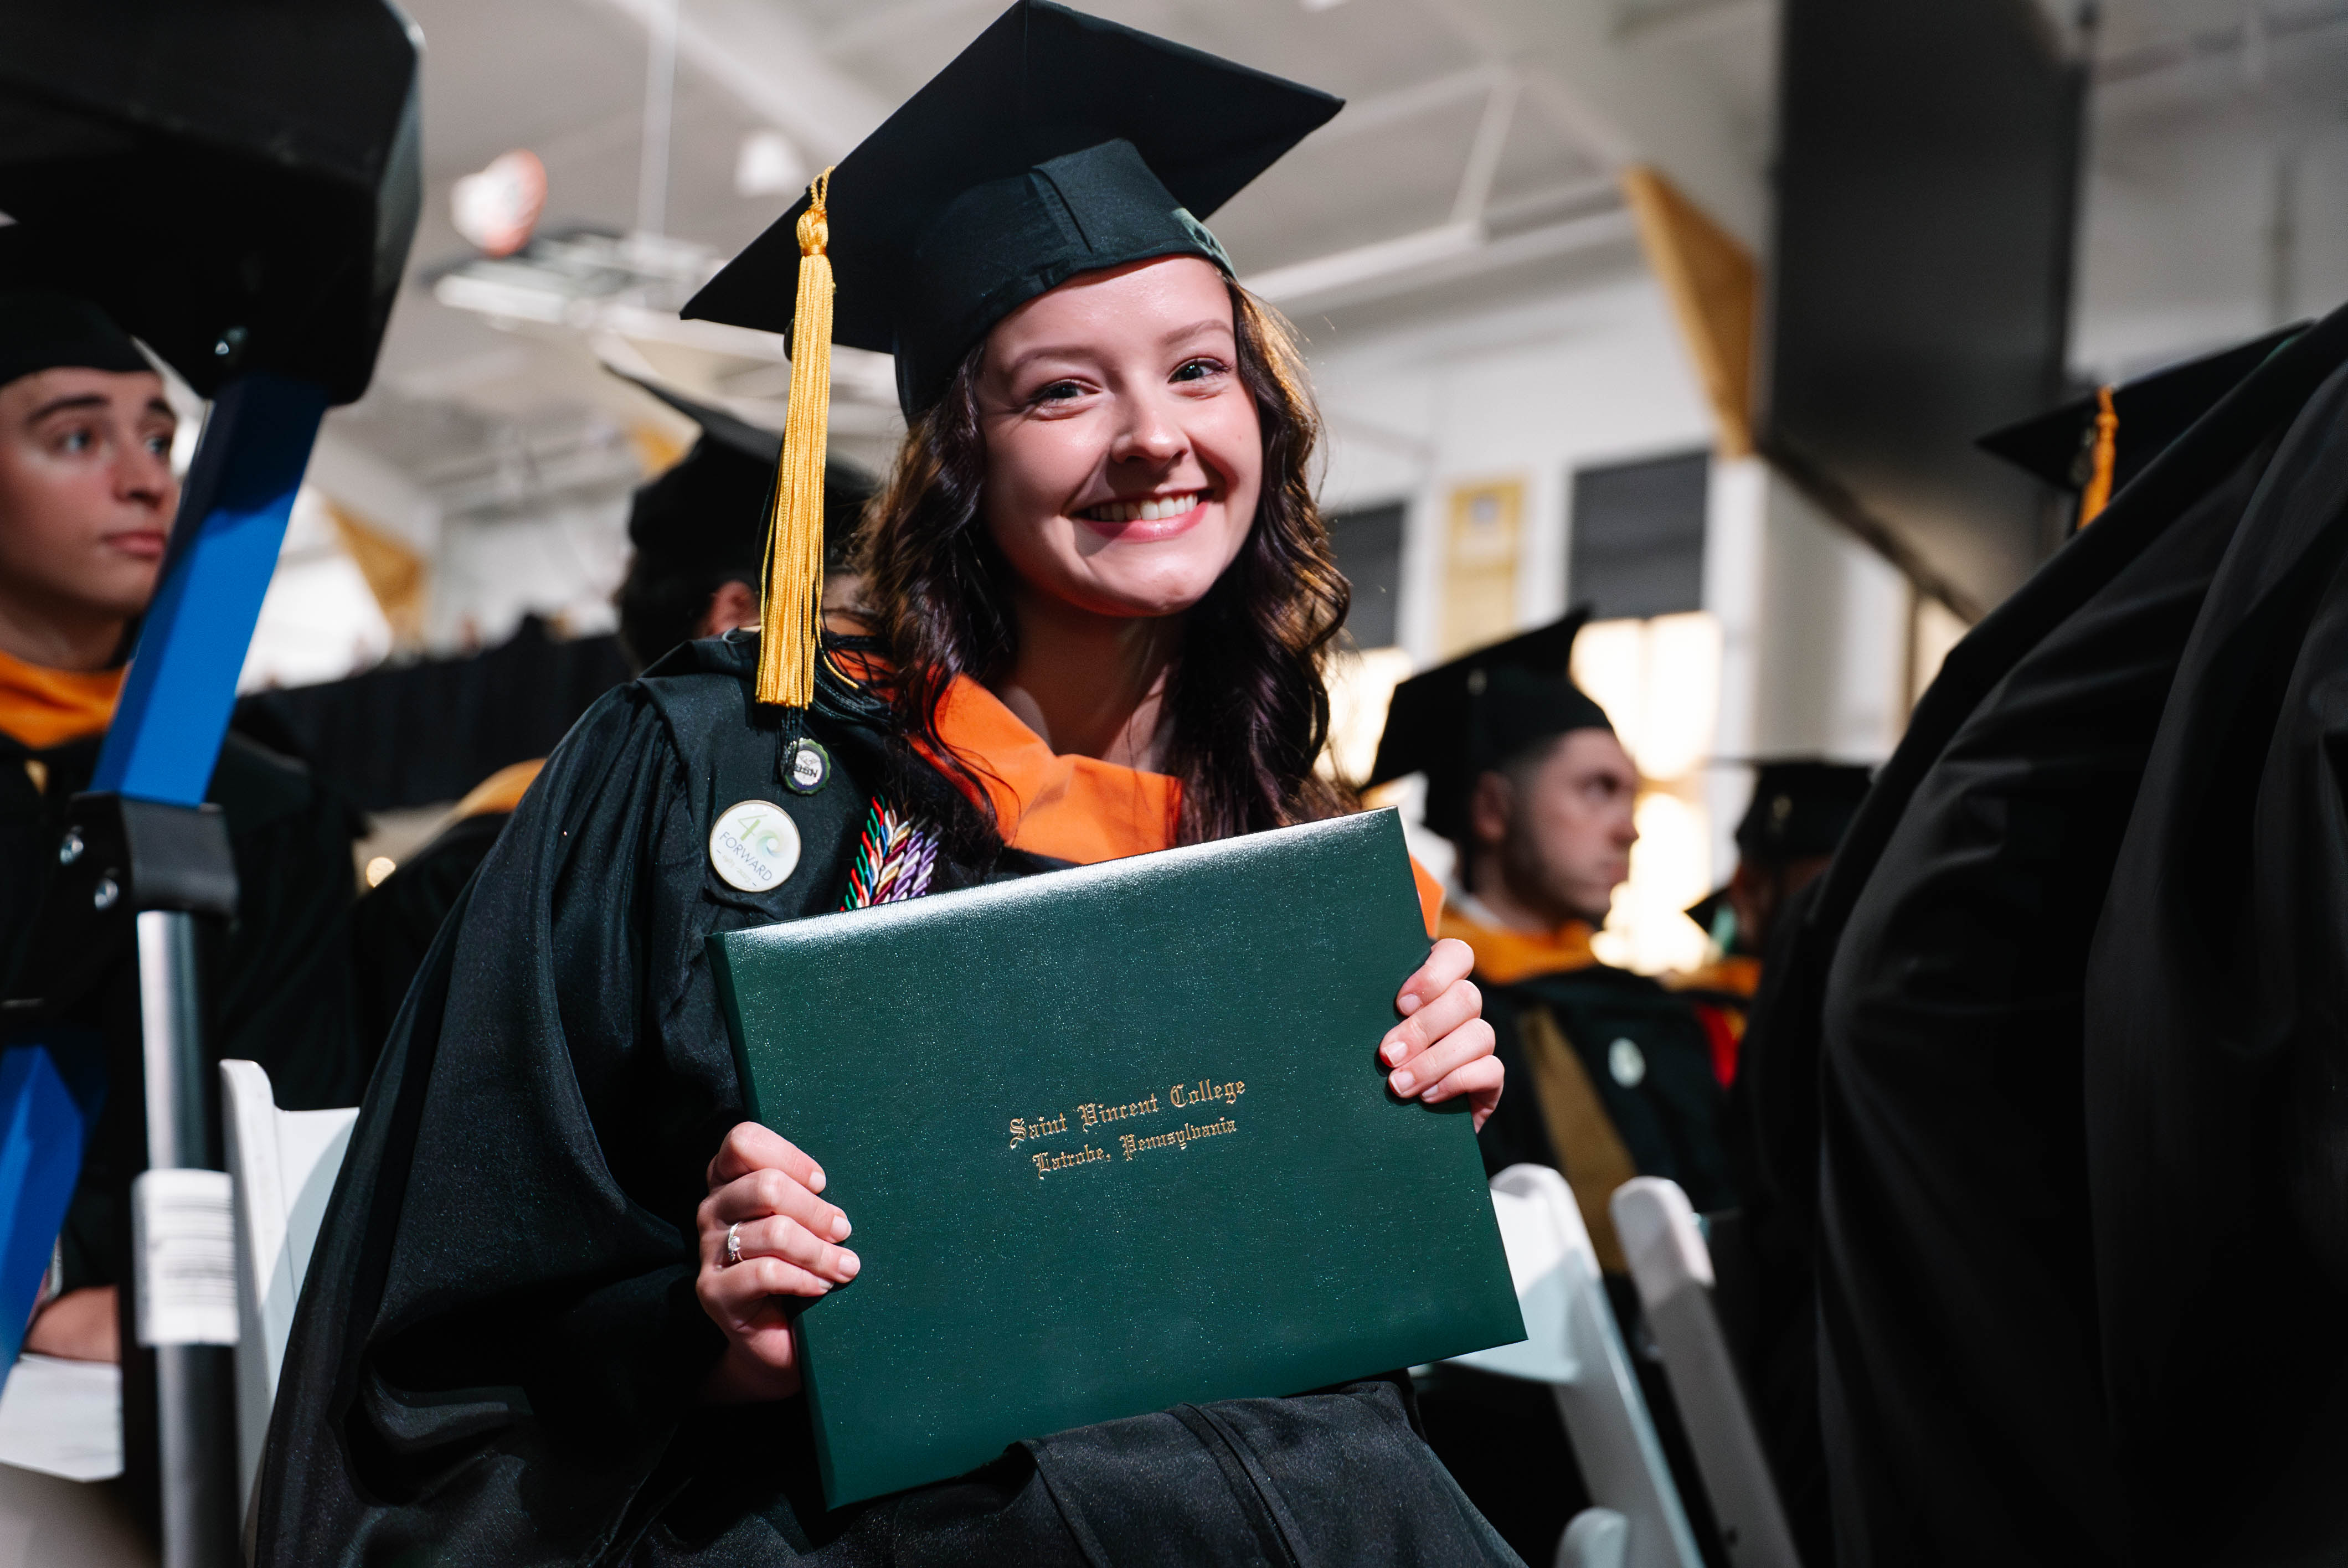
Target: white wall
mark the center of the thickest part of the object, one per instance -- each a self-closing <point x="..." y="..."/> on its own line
<point x="1533" y="388"/>
<point x="1814" y="625"/>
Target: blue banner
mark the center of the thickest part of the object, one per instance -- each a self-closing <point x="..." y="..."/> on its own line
<point x="176" y="698"/>
<point x="50" y="1091"/>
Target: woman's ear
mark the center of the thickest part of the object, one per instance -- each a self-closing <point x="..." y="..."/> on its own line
<point x="734" y="606"/>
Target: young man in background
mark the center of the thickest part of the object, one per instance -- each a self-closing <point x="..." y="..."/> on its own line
<point x="86" y="500"/>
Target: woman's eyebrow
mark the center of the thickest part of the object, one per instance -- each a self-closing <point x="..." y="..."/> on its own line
<point x="1046" y="350"/>
<point x="1203" y="328"/>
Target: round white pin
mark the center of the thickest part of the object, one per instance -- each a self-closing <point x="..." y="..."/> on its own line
<point x="755" y="845"/>
<point x="1626" y="1062"/>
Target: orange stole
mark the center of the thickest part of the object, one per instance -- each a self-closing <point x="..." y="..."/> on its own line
<point x="1505" y="956"/>
<point x="500" y="791"/>
<point x="41" y="707"/>
<point x="1071" y="808"/>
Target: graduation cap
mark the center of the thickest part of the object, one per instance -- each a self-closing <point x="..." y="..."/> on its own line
<point x="234" y="185"/>
<point x="1480" y="711"/>
<point x="707" y="512"/>
<point x="2061" y="447"/>
<point x="1056" y="144"/>
<point x="45" y="330"/>
<point x="1800" y="808"/>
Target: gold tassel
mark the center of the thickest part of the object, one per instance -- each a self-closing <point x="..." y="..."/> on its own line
<point x="2099" y="493"/>
<point x="790" y="616"/>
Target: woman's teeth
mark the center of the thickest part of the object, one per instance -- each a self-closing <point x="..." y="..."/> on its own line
<point x="1156" y="509"/>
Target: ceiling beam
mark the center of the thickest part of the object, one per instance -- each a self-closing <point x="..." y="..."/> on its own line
<point x="763" y="55"/>
<point x="1399" y="104"/>
<point x="1621" y="105"/>
<point x="1449" y="254"/>
<point x="1484" y="154"/>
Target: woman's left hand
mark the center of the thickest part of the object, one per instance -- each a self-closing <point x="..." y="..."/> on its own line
<point x="1443" y="1047"/>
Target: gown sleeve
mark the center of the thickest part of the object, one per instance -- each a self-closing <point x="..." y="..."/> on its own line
<point x="498" y="1331"/>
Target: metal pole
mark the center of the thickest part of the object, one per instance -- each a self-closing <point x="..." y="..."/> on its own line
<point x="171" y="1024"/>
<point x="194" y="1380"/>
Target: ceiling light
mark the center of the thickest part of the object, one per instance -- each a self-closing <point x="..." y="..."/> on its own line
<point x="770" y="164"/>
<point x="497" y="207"/>
<point x="1322" y="4"/>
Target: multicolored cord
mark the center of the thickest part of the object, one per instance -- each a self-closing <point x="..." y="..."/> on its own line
<point x="894" y="859"/>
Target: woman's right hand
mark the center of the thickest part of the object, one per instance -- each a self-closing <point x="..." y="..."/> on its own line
<point x="763" y="1184"/>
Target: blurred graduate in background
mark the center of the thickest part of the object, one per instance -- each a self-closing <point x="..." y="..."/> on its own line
<point x="1612" y="1074"/>
<point x="1525" y="777"/>
<point x="86" y="499"/>
<point x="699" y="532"/>
<point x="1785" y="841"/>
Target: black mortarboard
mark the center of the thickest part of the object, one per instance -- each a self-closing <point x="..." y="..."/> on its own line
<point x="1056" y="144"/>
<point x="1482" y="711"/>
<point x="1800" y="809"/>
<point x="707" y="512"/>
<point x="2153" y="410"/>
<point x="41" y="331"/>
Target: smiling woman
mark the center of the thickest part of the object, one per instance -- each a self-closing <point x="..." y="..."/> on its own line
<point x="1117" y="480"/>
<point x="551" y="1318"/>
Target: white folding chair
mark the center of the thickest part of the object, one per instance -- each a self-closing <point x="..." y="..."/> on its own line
<point x="284" y="1165"/>
<point x="60" y="1430"/>
<point x="1636" y="1520"/>
<point x="1672" y="1269"/>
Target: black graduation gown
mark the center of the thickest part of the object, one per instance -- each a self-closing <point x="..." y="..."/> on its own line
<point x="498" y="1343"/>
<point x="2216" y="1056"/>
<point x="393" y="927"/>
<point x="1668" y="1119"/>
<point x="278" y="987"/>
<point x="1919" y="1096"/>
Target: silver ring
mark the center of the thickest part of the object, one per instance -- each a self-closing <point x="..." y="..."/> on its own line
<point x="734" y="1244"/>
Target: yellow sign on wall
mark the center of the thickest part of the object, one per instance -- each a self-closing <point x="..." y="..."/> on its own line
<point x="1479" y="568"/>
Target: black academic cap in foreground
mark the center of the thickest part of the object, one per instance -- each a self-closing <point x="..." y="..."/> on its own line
<point x="42" y="331"/>
<point x="235" y="182"/>
<point x="708" y="511"/>
<point x="1056" y="144"/>
<point x="1482" y="711"/>
<point x="2153" y="410"/>
<point x="1800" y="808"/>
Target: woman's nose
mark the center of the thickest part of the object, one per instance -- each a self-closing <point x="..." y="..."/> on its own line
<point x="1150" y="434"/>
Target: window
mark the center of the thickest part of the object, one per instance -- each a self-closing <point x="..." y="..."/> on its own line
<point x="1368" y="541"/>
<point x="1638" y="536"/>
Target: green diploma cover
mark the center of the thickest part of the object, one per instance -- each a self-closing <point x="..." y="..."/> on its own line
<point x="1113" y="1139"/>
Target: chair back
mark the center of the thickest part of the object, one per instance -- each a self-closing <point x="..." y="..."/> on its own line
<point x="1672" y="1269"/>
<point x="1574" y="1347"/>
<point x="283" y="1164"/>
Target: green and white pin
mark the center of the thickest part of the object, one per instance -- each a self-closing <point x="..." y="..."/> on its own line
<point x="755" y="845"/>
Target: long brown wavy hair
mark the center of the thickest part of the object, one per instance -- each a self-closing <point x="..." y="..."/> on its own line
<point x="1246" y="705"/>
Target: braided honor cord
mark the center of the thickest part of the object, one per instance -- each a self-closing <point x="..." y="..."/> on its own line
<point x="894" y="859"/>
